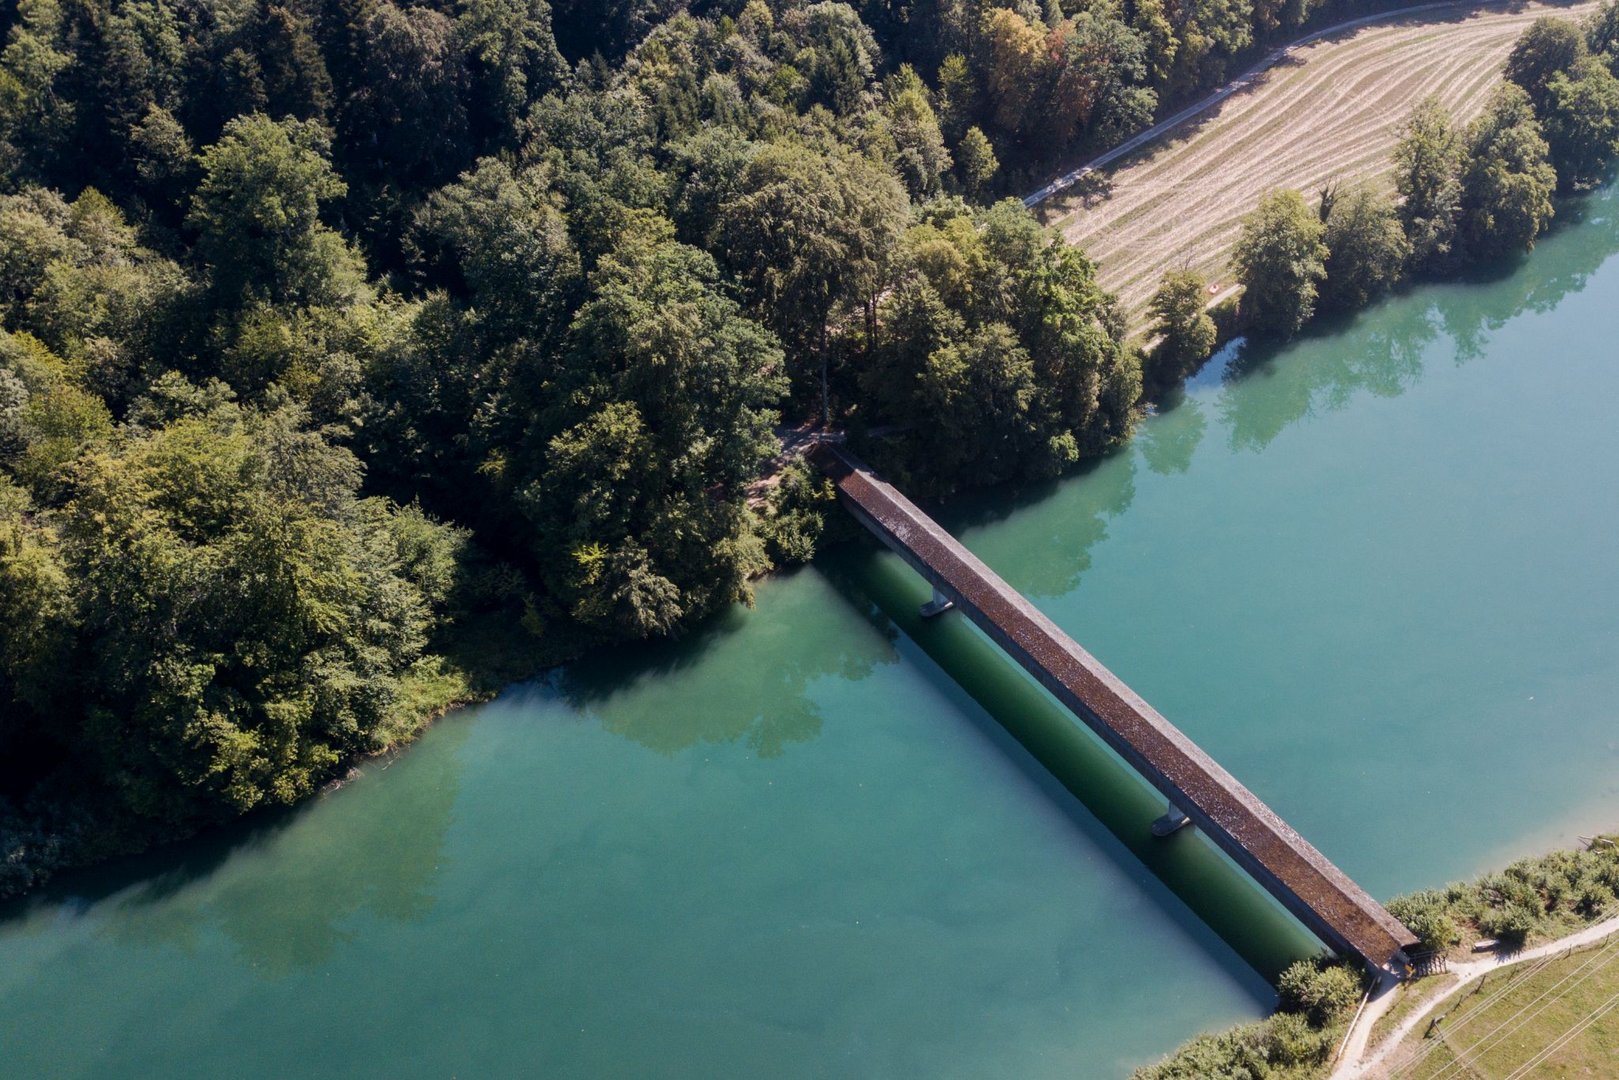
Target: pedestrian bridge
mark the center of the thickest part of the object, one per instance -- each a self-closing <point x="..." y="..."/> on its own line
<point x="1198" y="791"/>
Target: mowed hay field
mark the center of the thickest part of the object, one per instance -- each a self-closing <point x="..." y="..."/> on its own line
<point x="1330" y="112"/>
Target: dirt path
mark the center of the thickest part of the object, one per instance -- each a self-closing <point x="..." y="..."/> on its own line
<point x="1326" y="109"/>
<point x="1357" y="1063"/>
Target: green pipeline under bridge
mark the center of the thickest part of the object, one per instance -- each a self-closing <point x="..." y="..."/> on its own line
<point x="1198" y="791"/>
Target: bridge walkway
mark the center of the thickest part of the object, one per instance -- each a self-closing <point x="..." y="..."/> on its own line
<point x="1320" y="895"/>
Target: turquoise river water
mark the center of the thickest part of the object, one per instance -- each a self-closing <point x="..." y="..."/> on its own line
<point x="1372" y="573"/>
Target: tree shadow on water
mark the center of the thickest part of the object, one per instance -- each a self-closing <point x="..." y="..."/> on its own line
<point x="1059" y="522"/>
<point x="1487" y="296"/>
<point x="742" y="676"/>
<point x="284" y="886"/>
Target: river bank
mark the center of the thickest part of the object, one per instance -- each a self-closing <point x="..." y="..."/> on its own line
<point x="1507" y="914"/>
<point x="794" y="841"/>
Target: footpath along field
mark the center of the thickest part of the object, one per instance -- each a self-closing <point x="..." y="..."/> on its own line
<point x="1557" y="1017"/>
<point x="1329" y="112"/>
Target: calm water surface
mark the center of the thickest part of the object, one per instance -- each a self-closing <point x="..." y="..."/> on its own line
<point x="1372" y="573"/>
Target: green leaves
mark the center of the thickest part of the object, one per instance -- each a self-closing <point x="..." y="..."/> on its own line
<point x="1507" y="184"/>
<point x="238" y="623"/>
<point x="1280" y="259"/>
<point x="1185" y="332"/>
<point x="257" y="213"/>
<point x="1366" y="249"/>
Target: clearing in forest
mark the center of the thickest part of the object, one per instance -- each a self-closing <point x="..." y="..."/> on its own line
<point x="1329" y="112"/>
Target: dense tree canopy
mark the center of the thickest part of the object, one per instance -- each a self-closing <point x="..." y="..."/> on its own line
<point x="337" y="333"/>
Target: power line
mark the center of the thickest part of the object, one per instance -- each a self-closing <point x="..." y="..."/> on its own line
<point x="1604" y="955"/>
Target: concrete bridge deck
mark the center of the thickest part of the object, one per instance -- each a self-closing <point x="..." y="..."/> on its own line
<point x="1320" y="895"/>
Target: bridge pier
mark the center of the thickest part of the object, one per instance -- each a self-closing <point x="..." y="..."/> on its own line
<point x="938" y="605"/>
<point x="1173" y="821"/>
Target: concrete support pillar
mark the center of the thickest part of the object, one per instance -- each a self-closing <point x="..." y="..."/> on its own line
<point x="1174" y="819"/>
<point x="937" y="606"/>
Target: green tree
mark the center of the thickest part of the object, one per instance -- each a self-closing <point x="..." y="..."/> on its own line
<point x="38" y="607"/>
<point x="34" y="118"/>
<point x="975" y="161"/>
<point x="1427" y="174"/>
<point x="1280" y="259"/>
<point x="1508" y="182"/>
<point x="1322" y="992"/>
<point x="1602" y="33"/>
<point x="257" y="215"/>
<point x="1548" y="47"/>
<point x="982" y="406"/>
<point x="1366" y="249"/>
<point x="47" y="419"/>
<point x="1581" y="123"/>
<point x="638" y="504"/>
<point x="513" y="58"/>
<point x="921" y="158"/>
<point x="402" y="116"/>
<point x="1181" y="323"/>
<point x="811" y="233"/>
<point x="499" y="236"/>
<point x="245" y="628"/>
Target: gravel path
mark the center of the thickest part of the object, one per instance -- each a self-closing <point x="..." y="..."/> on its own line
<point x="1357" y="1063"/>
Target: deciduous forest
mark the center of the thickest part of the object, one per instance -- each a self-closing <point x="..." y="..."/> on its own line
<point x="352" y="349"/>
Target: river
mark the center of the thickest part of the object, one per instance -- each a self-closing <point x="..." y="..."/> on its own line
<point x="1372" y="573"/>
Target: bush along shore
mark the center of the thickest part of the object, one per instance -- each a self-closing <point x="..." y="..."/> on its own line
<point x="1534" y="899"/>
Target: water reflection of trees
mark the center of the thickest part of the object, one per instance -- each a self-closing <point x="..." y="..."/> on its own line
<point x="284" y="887"/>
<point x="1539" y="282"/>
<point x="1269" y="387"/>
<point x="1057" y="526"/>
<point x="1169" y="440"/>
<point x="743" y="676"/>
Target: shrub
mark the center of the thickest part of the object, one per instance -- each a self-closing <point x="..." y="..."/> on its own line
<point x="1239" y="1054"/>
<point x="795" y="514"/>
<point x="1511" y="925"/>
<point x="1291" y="1040"/>
<point x="1428" y="915"/>
<point x="1319" y="990"/>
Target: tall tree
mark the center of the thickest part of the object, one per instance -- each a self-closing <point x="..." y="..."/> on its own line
<point x="1508" y="182"/>
<point x="1366" y="249"/>
<point x="1427" y="174"/>
<point x="1581" y="123"/>
<point x="1181" y="323"/>
<point x="667" y="404"/>
<point x="1280" y="258"/>
<point x="257" y="214"/>
<point x="811" y="234"/>
<point x="1549" y="46"/>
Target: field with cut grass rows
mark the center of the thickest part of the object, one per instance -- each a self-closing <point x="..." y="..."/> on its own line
<point x="1328" y="113"/>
